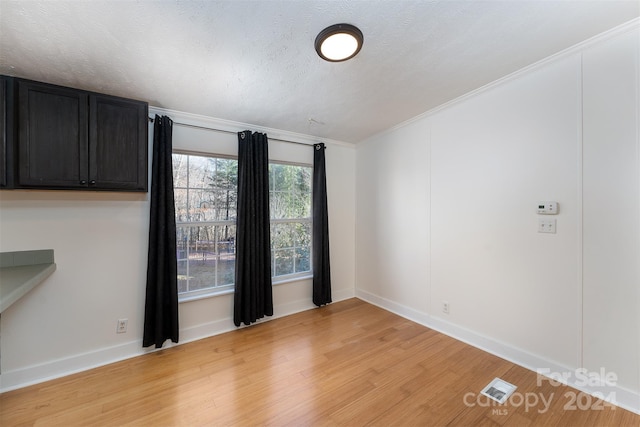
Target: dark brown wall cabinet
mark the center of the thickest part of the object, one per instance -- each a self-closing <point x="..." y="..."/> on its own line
<point x="6" y="133"/>
<point x="73" y="139"/>
<point x="3" y="132"/>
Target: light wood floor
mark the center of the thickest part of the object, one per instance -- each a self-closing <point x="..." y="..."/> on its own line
<point x="347" y="364"/>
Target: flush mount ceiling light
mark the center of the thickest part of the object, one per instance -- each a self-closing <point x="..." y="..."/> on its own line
<point x="339" y="42"/>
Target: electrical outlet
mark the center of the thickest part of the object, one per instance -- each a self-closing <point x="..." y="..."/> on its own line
<point x="122" y="326"/>
<point x="445" y="307"/>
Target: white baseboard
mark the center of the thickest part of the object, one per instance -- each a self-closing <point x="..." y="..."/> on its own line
<point x="30" y="375"/>
<point x="619" y="396"/>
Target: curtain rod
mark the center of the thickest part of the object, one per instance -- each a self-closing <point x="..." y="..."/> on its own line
<point x="232" y="132"/>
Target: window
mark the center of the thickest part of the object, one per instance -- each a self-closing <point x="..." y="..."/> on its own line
<point x="290" y="208"/>
<point x="205" y="191"/>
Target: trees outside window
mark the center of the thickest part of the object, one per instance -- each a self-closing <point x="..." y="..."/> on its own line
<point x="290" y="207"/>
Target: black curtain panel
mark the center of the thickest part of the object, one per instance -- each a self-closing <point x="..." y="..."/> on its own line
<point x="161" y="304"/>
<point x="320" y="250"/>
<point x="253" y="297"/>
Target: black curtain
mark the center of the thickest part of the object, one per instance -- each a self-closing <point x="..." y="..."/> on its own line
<point x="253" y="297"/>
<point x="161" y="304"/>
<point x="320" y="250"/>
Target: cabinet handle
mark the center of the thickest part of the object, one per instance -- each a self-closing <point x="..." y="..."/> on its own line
<point x="92" y="182"/>
<point x="83" y="182"/>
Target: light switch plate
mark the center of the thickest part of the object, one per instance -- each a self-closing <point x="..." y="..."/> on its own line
<point x="547" y="226"/>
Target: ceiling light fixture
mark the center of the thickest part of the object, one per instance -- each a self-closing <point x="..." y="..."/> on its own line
<point x="339" y="42"/>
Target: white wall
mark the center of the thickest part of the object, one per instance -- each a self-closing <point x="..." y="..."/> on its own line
<point x="68" y="323"/>
<point x="392" y="233"/>
<point x="612" y="208"/>
<point x="446" y="212"/>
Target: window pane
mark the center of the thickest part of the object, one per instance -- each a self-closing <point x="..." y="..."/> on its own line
<point x="182" y="246"/>
<point x="183" y="276"/>
<point x="300" y="205"/>
<point x="291" y="246"/>
<point x="302" y="234"/>
<point x="303" y="180"/>
<point x="224" y="203"/>
<point x="226" y="239"/>
<point x="211" y="256"/>
<point x="278" y="177"/>
<point x="180" y="196"/>
<point x="226" y="274"/>
<point x="283" y="262"/>
<point x="182" y="243"/>
<point x="180" y="169"/>
<point x="201" y="171"/>
<point x="226" y="176"/>
<point x="290" y="201"/>
<point x="303" y="259"/>
<point x="202" y="205"/>
<point x="290" y="191"/>
<point x="278" y="204"/>
<point x="282" y="236"/>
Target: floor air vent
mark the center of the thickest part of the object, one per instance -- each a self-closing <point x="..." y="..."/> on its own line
<point x="498" y="390"/>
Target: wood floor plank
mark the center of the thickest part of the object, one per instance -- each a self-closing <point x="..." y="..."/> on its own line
<point x="346" y="364"/>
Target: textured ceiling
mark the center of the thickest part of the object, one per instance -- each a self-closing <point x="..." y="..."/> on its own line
<point x="254" y="61"/>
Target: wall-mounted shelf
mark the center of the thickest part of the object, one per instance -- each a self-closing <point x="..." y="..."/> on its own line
<point x="22" y="271"/>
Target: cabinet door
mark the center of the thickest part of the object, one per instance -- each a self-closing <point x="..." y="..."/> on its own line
<point x="117" y="143"/>
<point x="3" y="132"/>
<point x="52" y="136"/>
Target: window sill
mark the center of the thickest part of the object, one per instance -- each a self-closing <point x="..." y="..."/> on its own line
<point x="293" y="279"/>
<point x="209" y="293"/>
<point x="216" y="293"/>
